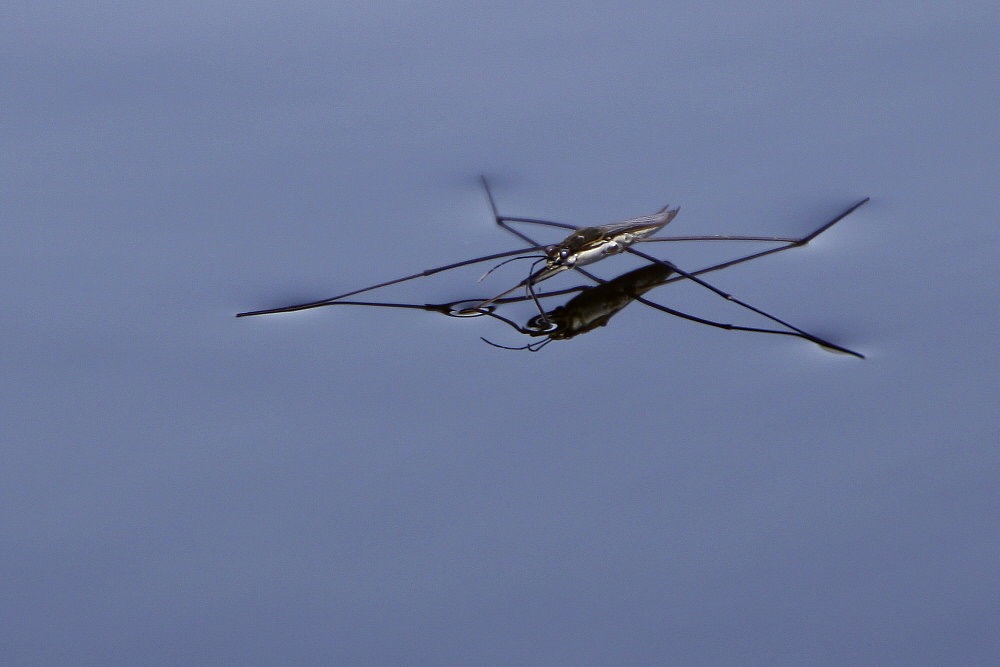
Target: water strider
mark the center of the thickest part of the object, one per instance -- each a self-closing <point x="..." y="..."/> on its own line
<point x="587" y="245"/>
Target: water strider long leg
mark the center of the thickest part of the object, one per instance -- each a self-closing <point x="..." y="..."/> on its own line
<point x="422" y="274"/>
<point x="796" y="333"/>
<point x="502" y="221"/>
<point x="455" y="309"/>
<point x="792" y="243"/>
<point x="452" y="308"/>
<point x="729" y="297"/>
<point x="725" y="295"/>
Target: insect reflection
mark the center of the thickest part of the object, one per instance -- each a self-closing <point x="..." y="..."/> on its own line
<point x="593" y="307"/>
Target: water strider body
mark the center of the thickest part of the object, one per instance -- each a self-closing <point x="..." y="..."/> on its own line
<point x="587" y="245"/>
